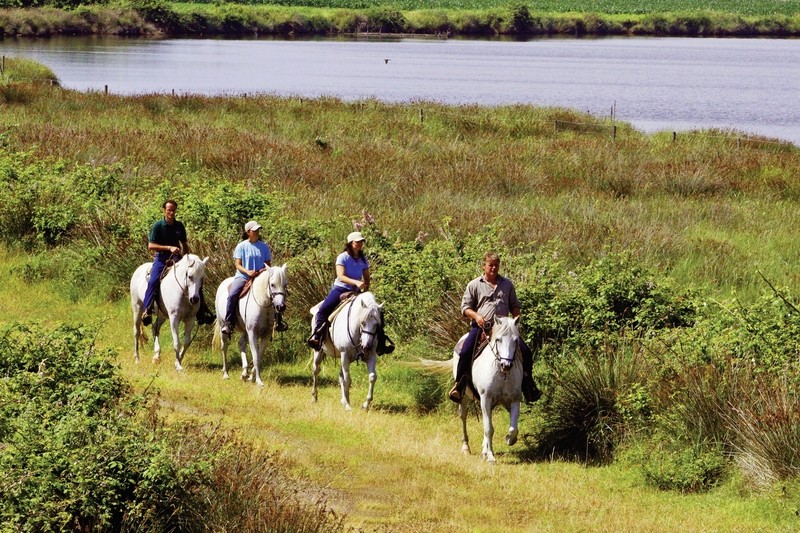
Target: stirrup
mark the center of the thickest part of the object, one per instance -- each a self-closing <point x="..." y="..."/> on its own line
<point x="456" y="394"/>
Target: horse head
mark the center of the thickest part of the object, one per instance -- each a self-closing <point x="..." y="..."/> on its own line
<point x="277" y="287"/>
<point x="369" y="320"/>
<point x="190" y="271"/>
<point x="503" y="343"/>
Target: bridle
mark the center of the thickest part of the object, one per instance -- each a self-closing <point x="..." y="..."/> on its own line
<point x="271" y="294"/>
<point x="364" y="331"/>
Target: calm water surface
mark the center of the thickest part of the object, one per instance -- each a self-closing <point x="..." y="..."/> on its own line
<point x="752" y="85"/>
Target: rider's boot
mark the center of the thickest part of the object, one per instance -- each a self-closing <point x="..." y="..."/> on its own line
<point x="204" y="314"/>
<point x="529" y="389"/>
<point x="315" y="340"/>
<point x="147" y="316"/>
<point x="385" y="344"/>
<point x="456" y="394"/>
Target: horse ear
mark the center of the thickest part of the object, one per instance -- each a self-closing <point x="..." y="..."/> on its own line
<point x="205" y="260"/>
<point x="284" y="267"/>
<point x="516" y="320"/>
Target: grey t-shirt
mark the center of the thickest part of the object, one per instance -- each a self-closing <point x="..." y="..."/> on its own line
<point x="487" y="301"/>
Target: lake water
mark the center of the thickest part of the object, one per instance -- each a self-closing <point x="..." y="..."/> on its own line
<point x="751" y="85"/>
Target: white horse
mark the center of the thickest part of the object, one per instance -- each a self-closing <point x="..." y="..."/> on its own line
<point x="178" y="300"/>
<point x="497" y="376"/>
<point x="255" y="318"/>
<point x="352" y="334"/>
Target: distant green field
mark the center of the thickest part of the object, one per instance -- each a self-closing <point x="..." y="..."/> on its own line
<point x="613" y="7"/>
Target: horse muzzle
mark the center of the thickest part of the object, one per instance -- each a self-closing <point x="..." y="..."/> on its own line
<point x="280" y="307"/>
<point x="194" y="299"/>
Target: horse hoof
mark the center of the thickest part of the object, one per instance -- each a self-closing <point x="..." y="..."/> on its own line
<point x="225" y="376"/>
<point x="465" y="449"/>
<point x="178" y="367"/>
<point x="365" y="406"/>
<point x="156" y="359"/>
<point x="259" y="383"/>
<point x="347" y="407"/>
<point x="511" y="438"/>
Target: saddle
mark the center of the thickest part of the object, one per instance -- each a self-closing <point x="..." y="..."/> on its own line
<point x="167" y="267"/>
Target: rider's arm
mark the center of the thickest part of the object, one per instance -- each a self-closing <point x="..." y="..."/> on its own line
<point x="350" y="281"/>
<point x="366" y="279"/>
<point x="153" y="247"/>
<point x="240" y="267"/>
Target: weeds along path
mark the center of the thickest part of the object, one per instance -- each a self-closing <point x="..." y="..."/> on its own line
<point x="389" y="470"/>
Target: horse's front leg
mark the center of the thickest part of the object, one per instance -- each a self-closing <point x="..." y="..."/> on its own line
<point x="488" y="429"/>
<point x="513" y="431"/>
<point x="344" y="381"/>
<point x="224" y="341"/>
<point x="137" y="333"/>
<point x="255" y="350"/>
<point x="156" y="343"/>
<point x="188" y="327"/>
<point x="243" y="354"/>
<point x="174" y="325"/>
<point x="373" y="377"/>
<point x="318" y="357"/>
<point x="462" y="412"/>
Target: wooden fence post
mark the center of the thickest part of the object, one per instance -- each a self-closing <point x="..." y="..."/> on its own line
<point x="106" y="90"/>
<point x="421" y="116"/>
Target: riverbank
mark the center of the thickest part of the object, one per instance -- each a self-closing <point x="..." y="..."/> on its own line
<point x="235" y="20"/>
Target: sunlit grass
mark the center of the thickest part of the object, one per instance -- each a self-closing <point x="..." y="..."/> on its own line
<point x="391" y="468"/>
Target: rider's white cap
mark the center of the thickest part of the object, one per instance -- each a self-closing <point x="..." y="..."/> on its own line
<point x="250" y="226"/>
<point x="355" y="236"/>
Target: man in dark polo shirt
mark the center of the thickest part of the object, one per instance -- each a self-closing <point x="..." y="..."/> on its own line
<point x="488" y="296"/>
<point x="167" y="240"/>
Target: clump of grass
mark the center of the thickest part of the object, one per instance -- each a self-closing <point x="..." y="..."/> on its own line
<point x="22" y="70"/>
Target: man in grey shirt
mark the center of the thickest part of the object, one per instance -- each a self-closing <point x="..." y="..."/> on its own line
<point x="488" y="296"/>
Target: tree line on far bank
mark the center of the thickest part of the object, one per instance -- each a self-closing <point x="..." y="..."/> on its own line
<point x="160" y="17"/>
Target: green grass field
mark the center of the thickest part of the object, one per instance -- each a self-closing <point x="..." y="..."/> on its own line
<point x="84" y="175"/>
<point x="390" y="469"/>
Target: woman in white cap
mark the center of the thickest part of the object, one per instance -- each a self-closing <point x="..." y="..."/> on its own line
<point x="251" y="255"/>
<point x="352" y="274"/>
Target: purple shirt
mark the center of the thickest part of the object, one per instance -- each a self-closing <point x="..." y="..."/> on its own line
<point x="353" y="268"/>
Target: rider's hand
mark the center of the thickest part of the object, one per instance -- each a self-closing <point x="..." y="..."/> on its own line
<point x="480" y="321"/>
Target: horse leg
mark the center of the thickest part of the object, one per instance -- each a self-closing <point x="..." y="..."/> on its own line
<point x="156" y="343"/>
<point x="255" y="351"/>
<point x="488" y="429"/>
<point x="224" y="341"/>
<point x="344" y="381"/>
<point x="373" y="377"/>
<point x="462" y="412"/>
<point x="513" y="411"/>
<point x="137" y="332"/>
<point x="188" y="326"/>
<point x="174" y="325"/>
<point x="243" y="354"/>
<point x="318" y="357"/>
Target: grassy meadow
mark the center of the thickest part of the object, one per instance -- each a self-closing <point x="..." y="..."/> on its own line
<point x="391" y="469"/>
<point x="646" y="255"/>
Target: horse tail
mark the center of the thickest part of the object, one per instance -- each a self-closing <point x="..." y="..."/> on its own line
<point x="433" y="366"/>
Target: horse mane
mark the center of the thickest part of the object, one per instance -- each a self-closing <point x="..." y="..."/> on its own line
<point x="502" y="325"/>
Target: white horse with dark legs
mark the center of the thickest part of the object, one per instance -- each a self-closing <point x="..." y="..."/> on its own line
<point x="352" y="335"/>
<point x="178" y="300"/>
<point x="255" y="319"/>
<point x="497" y="376"/>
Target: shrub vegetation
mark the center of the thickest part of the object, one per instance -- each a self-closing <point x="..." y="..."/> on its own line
<point x="624" y="252"/>
<point x="439" y="17"/>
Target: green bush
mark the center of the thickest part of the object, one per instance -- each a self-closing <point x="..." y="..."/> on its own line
<point x="86" y="455"/>
<point x="688" y="468"/>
